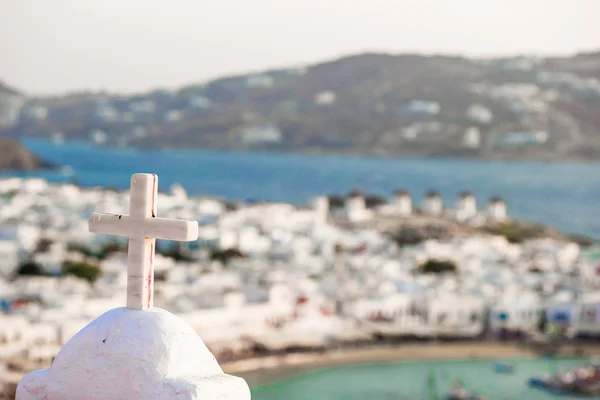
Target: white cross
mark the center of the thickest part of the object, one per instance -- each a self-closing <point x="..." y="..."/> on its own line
<point x="142" y="228"/>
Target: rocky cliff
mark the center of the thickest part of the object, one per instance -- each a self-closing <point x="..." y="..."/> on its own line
<point x="15" y="157"/>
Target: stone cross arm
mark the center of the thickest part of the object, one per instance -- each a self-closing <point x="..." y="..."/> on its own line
<point x="156" y="228"/>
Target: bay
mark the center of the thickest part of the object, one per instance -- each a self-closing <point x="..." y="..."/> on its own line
<point x="563" y="195"/>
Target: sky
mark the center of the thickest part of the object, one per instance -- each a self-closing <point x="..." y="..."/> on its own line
<point x="126" y="46"/>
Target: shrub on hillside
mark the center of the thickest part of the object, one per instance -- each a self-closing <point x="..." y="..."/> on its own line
<point x="434" y="266"/>
<point x="30" y="268"/>
<point x="83" y="270"/>
<point x="178" y="252"/>
<point x="111" y="247"/>
<point x="518" y="233"/>
<point x="224" y="256"/>
<point x="105" y="250"/>
<point x="511" y="232"/>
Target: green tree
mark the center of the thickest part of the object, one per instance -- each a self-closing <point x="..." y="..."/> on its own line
<point x="31" y="268"/>
<point x="83" y="270"/>
<point x="224" y="256"/>
<point x="516" y="233"/>
<point x="434" y="266"/>
<point x="177" y="251"/>
<point x="109" y="248"/>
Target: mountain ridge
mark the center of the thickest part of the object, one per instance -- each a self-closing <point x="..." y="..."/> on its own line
<point x="370" y="103"/>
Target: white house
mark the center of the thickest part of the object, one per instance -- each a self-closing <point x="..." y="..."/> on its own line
<point x="356" y="207"/>
<point x="466" y="206"/>
<point x="261" y="134"/>
<point x="518" y="310"/>
<point x="432" y="204"/>
<point x="496" y="210"/>
<point x="587" y="315"/>
<point x="456" y="315"/>
<point x="321" y="207"/>
<point x="9" y="251"/>
<point x="325" y="98"/>
<point x="479" y="114"/>
<point x="400" y="206"/>
<point x="424" y="107"/>
<point x="402" y="202"/>
<point x="13" y="335"/>
<point x="472" y="138"/>
<point x="11" y="102"/>
<point x="561" y="313"/>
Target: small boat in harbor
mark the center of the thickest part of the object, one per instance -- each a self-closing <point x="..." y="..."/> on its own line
<point x="583" y="381"/>
<point x="503" y="368"/>
<point x="459" y="392"/>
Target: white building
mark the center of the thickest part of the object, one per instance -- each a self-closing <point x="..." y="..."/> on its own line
<point x="561" y="313"/>
<point x="260" y="80"/>
<point x="402" y="202"/>
<point x="424" y="107"/>
<point x="261" y="134"/>
<point x="321" y="207"/>
<point x="587" y="315"/>
<point x="496" y="210"/>
<point x="35" y="112"/>
<point x="479" y="114"/>
<point x="325" y="98"/>
<point x="401" y="205"/>
<point x="466" y="206"/>
<point x="518" y="310"/>
<point x="356" y="207"/>
<point x="456" y="315"/>
<point x="432" y="204"/>
<point x="11" y="103"/>
<point x="472" y="138"/>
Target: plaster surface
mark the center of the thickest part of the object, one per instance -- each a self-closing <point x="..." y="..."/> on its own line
<point x="132" y="354"/>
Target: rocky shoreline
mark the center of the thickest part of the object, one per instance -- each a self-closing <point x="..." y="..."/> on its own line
<point x="16" y="157"/>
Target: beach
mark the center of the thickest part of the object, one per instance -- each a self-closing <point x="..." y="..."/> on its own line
<point x="267" y="370"/>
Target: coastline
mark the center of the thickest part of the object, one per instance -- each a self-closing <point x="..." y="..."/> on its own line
<point x="266" y="370"/>
<point x="535" y="158"/>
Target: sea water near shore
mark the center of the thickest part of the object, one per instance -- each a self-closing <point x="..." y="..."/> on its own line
<point x="408" y="381"/>
<point x="563" y="195"/>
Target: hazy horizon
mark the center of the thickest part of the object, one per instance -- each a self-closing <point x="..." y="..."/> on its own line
<point x="140" y="45"/>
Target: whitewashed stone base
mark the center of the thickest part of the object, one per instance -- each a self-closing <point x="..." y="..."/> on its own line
<point x="132" y="354"/>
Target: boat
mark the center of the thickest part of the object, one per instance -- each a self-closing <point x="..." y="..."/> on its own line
<point x="459" y="392"/>
<point x="503" y="368"/>
<point x="583" y="381"/>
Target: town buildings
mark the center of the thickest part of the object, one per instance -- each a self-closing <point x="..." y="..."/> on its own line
<point x="274" y="276"/>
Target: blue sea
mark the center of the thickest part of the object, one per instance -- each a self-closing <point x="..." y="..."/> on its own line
<point x="563" y="195"/>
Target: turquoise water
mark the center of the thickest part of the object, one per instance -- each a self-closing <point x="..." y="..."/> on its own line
<point x="408" y="381"/>
<point x="564" y="195"/>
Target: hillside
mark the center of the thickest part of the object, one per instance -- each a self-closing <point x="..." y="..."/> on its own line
<point x="397" y="105"/>
<point x="15" y="157"/>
